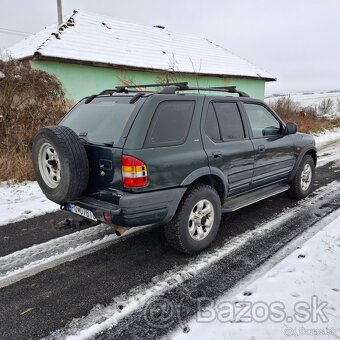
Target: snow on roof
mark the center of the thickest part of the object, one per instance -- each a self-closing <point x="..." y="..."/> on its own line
<point x="95" y="38"/>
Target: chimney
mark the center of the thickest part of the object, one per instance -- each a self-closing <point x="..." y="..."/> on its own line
<point x="60" y="12"/>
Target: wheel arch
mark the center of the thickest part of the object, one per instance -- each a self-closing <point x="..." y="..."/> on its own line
<point x="312" y="152"/>
<point x="307" y="150"/>
<point x="210" y="176"/>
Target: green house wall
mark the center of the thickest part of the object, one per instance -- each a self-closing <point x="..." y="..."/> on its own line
<point x="80" y="80"/>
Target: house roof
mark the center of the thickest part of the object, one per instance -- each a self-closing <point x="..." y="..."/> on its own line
<point x="91" y="38"/>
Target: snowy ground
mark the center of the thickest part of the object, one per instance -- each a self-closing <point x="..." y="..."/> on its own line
<point x="20" y="201"/>
<point x="327" y="136"/>
<point x="313" y="100"/>
<point x="297" y="298"/>
<point x="328" y="147"/>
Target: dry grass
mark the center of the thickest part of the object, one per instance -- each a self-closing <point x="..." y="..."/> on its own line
<point x="29" y="99"/>
<point x="307" y="118"/>
<point x="16" y="167"/>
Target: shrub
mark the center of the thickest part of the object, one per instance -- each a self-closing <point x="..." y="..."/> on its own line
<point x="326" y="106"/>
<point x="307" y="118"/>
<point x="29" y="99"/>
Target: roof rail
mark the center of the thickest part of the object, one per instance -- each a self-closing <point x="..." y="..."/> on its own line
<point x="229" y="89"/>
<point x="125" y="88"/>
<point x="108" y="91"/>
<point x="172" y="88"/>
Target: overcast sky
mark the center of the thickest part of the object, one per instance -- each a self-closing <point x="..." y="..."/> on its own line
<point x="298" y="41"/>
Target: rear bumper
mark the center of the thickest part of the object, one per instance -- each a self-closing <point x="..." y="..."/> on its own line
<point x="136" y="209"/>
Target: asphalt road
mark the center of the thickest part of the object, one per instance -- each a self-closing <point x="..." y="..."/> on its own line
<point x="41" y="304"/>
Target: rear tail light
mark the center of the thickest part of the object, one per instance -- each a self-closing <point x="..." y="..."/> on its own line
<point x="134" y="172"/>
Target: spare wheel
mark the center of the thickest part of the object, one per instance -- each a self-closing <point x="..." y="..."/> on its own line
<point x="60" y="163"/>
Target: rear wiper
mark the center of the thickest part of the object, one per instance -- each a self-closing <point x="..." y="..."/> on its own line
<point x="83" y="135"/>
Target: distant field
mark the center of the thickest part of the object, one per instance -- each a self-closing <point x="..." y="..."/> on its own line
<point x="308" y="99"/>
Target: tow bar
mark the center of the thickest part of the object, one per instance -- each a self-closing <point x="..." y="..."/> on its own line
<point x="72" y="223"/>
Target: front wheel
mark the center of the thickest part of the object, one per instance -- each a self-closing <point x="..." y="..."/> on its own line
<point x="302" y="183"/>
<point x="197" y="220"/>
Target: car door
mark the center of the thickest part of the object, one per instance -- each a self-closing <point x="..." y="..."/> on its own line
<point x="227" y="144"/>
<point x="274" y="150"/>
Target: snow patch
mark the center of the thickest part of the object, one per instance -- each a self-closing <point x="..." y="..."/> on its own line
<point x="30" y="261"/>
<point x="327" y="136"/>
<point x="20" y="201"/>
<point x="316" y="274"/>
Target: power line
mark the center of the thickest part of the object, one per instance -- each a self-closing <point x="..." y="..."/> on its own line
<point x="13" y="32"/>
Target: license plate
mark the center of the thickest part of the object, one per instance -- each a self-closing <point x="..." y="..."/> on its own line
<point x="81" y="211"/>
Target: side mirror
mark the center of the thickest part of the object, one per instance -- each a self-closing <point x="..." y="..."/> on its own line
<point x="270" y="131"/>
<point x="291" y="128"/>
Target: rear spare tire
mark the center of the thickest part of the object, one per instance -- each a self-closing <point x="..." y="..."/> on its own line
<point x="60" y="163"/>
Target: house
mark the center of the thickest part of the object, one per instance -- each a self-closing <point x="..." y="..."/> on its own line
<point x="90" y="53"/>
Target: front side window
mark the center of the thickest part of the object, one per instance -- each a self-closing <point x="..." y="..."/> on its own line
<point x="262" y="122"/>
<point x="170" y="123"/>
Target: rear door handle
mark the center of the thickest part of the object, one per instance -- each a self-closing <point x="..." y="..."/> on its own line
<point x="217" y="154"/>
<point x="261" y="148"/>
<point x="105" y="164"/>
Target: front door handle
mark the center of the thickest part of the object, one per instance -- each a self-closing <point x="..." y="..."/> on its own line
<point x="261" y="148"/>
<point x="217" y="154"/>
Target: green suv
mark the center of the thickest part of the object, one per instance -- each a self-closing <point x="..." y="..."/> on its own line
<point x="130" y="157"/>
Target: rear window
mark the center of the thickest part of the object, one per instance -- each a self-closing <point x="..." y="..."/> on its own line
<point x="101" y="120"/>
<point x="170" y="123"/>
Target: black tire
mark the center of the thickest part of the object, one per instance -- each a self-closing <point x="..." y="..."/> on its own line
<point x="177" y="230"/>
<point x="296" y="190"/>
<point x="74" y="167"/>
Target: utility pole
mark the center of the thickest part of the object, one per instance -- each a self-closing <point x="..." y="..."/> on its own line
<point x="60" y="12"/>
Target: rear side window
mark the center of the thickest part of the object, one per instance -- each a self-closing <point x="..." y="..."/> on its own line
<point x="170" y="123"/>
<point x="229" y="120"/>
<point x="211" y="125"/>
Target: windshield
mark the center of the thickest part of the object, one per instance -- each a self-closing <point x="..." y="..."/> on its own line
<point x="101" y="121"/>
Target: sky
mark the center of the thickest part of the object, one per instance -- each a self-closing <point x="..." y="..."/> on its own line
<point x="298" y="41"/>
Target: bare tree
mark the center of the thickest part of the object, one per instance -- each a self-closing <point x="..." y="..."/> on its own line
<point x="326" y="106"/>
<point x="338" y="106"/>
<point x="171" y="74"/>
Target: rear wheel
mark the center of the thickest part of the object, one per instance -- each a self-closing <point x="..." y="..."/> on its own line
<point x="197" y="220"/>
<point x="302" y="183"/>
